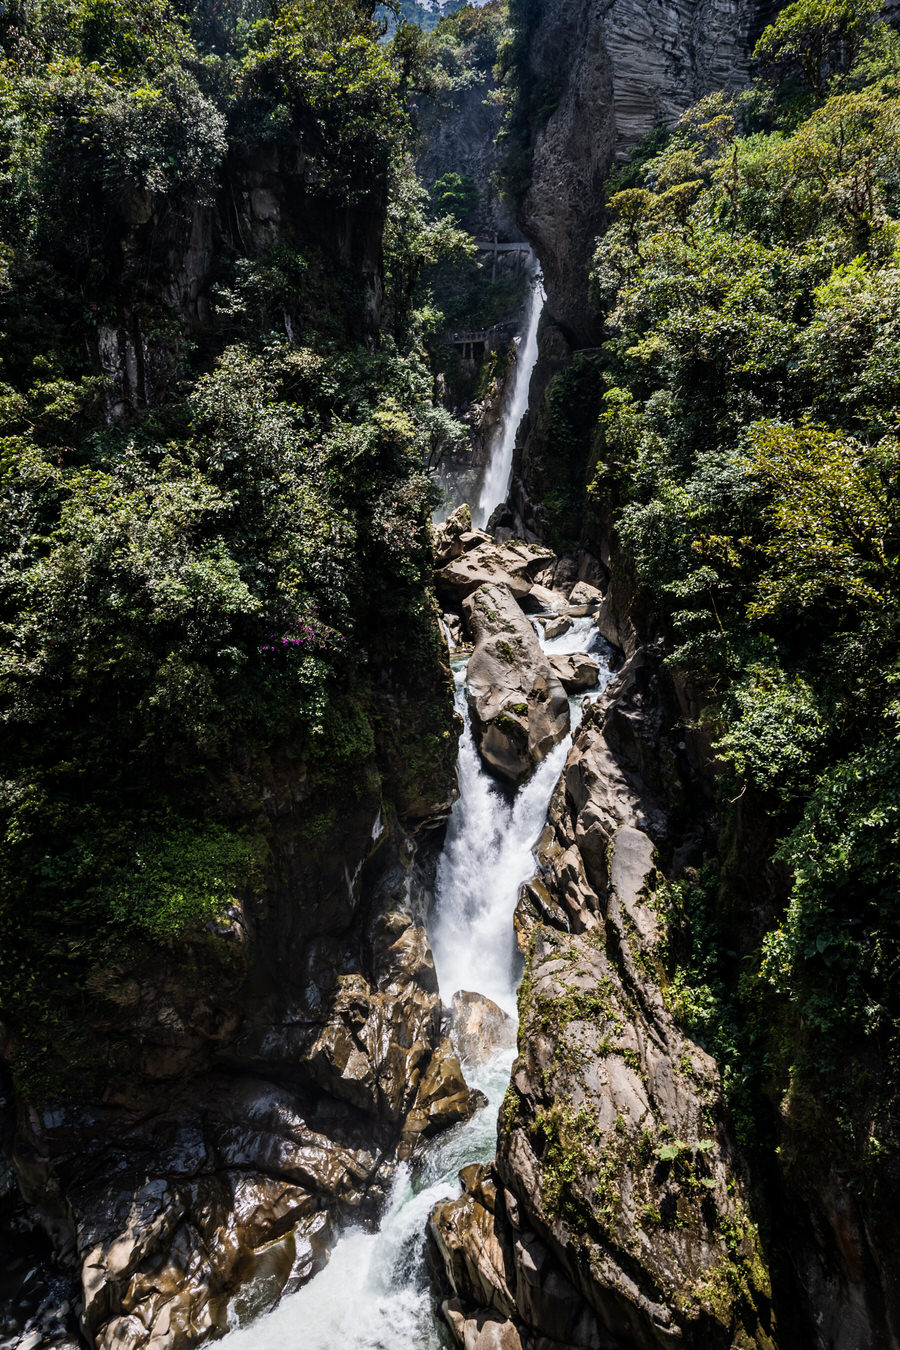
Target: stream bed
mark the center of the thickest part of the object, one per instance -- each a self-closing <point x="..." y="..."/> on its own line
<point x="375" y="1294"/>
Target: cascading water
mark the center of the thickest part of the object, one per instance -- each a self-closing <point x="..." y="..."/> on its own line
<point x="374" y="1294"/>
<point x="495" y="483"/>
<point x="487" y="855"/>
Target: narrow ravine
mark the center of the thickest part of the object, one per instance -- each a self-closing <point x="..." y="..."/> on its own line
<point x="375" y="1294"/>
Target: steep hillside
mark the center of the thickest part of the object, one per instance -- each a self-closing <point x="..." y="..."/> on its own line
<point x="226" y="717"/>
<point x="700" y="1139"/>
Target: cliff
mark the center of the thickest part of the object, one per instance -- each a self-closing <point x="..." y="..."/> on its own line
<point x="681" y="1158"/>
<point x="230" y="747"/>
<point x="606" y="76"/>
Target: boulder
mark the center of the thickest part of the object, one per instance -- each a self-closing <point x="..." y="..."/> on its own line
<point x="481" y="562"/>
<point x="584" y="600"/>
<point x="575" y="672"/>
<point x="543" y="600"/>
<point x="480" y="1027"/>
<point x="519" y="708"/>
<point x="556" y="625"/>
<point x="448" y="538"/>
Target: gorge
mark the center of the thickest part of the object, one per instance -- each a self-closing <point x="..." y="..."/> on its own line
<point x="461" y="916"/>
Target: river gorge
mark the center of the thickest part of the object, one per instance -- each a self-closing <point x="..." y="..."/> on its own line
<point x="449" y="538"/>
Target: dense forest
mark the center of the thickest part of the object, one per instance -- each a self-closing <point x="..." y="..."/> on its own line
<point x="227" y="299"/>
<point x="748" y="445"/>
<point x="215" y="538"/>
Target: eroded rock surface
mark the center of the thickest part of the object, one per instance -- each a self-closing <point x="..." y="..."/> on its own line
<point x="175" y="1198"/>
<point x="481" y="562"/>
<point x="519" y="708"/>
<point x="617" y="1212"/>
<point x="480" y="1027"/>
<point x="615" y="71"/>
<point x="576" y="673"/>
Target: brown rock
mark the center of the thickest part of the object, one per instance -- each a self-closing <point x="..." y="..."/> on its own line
<point x="479" y="1027"/>
<point x="448" y="537"/>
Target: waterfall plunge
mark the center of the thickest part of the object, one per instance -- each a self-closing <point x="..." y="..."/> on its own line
<point x="374" y="1294"/>
<point x="495" y="483"/>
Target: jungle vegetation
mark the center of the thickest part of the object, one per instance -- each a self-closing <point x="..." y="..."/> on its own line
<point x="213" y="511"/>
<point x="748" y="449"/>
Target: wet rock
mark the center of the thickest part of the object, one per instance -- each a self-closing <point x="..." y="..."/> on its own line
<point x="485" y="1331"/>
<point x="442" y="1098"/>
<point x="479" y="1027"/>
<point x="619" y="1213"/>
<point x="453" y="630"/>
<point x="483" y="562"/>
<point x="222" y="1190"/>
<point x="519" y="708"/>
<point x="544" y="599"/>
<point x="467" y="1238"/>
<point x="576" y="673"/>
<point x="556" y="626"/>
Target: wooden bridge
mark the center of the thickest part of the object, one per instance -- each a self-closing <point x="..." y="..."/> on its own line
<point x="524" y="250"/>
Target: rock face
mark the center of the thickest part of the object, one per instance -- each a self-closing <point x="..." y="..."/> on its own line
<point x="576" y="673"/>
<point x="519" y="708"/>
<point x="461" y="137"/>
<point x="617" y="1212"/>
<point x="475" y="560"/>
<point x="175" y="1195"/>
<point x="615" y="72"/>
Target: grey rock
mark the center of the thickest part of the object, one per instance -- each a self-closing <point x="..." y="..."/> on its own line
<point x="576" y="673"/>
<point x="519" y="708"/>
<point x="556" y="626"/>
<point x="482" y="562"/>
<point x="583" y="600"/>
<point x="617" y="71"/>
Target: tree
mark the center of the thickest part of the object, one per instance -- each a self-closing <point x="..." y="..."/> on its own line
<point x="815" y="39"/>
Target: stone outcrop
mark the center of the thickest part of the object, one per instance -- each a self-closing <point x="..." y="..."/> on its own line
<point x="478" y="560"/>
<point x="612" y="73"/>
<point x="479" y="1027"/>
<point x="576" y="673"/>
<point x="519" y="708"/>
<point x="173" y="1196"/>
<point x="618" y="1210"/>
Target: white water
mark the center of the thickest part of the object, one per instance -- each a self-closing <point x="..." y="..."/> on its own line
<point x="374" y="1294"/>
<point x="496" y="477"/>
<point x="487" y="855"/>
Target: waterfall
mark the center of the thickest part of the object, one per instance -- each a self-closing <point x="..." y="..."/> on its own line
<point x="495" y="484"/>
<point x="487" y="855"/>
<point x="374" y="1294"/>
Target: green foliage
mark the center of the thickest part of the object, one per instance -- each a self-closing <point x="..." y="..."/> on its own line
<point x="219" y="578"/>
<point x="747" y="446"/>
<point x="455" y="195"/>
<point x="815" y="39"/>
